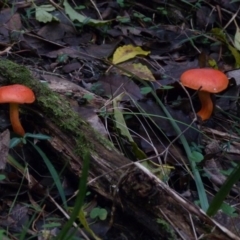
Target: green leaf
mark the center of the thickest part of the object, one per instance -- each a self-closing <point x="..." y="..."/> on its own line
<point x="75" y="16"/>
<point x="103" y="214"/>
<point x="2" y="177"/>
<point x="2" y="235"/>
<point x="229" y="210"/>
<point x="38" y="136"/>
<point x="121" y="3"/>
<point x="14" y="142"/>
<point x="166" y="87"/>
<point x="98" y="212"/>
<point x="80" y="7"/>
<point x="123" y="19"/>
<point x="88" y="97"/>
<point x="42" y="13"/>
<point x="145" y="90"/>
<point x="94" y="213"/>
<point x="47" y="7"/>
<point x="226" y="172"/>
<point x="196" y="156"/>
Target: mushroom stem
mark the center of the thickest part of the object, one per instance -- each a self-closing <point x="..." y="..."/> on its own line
<point x="14" y="118"/>
<point x="207" y="105"/>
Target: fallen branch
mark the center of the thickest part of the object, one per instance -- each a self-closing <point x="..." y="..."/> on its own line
<point x="150" y="201"/>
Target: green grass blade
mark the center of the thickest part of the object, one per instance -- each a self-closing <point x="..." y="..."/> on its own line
<point x="224" y="191"/>
<point x="79" y="199"/>
<point x="53" y="173"/>
<point x="198" y="180"/>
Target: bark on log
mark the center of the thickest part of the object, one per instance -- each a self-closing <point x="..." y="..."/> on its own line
<point x="150" y="201"/>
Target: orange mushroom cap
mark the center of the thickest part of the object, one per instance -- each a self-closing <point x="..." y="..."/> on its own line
<point x="206" y="81"/>
<point x="14" y="95"/>
<point x="209" y="80"/>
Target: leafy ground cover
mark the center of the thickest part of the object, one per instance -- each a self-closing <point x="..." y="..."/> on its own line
<point x="119" y="64"/>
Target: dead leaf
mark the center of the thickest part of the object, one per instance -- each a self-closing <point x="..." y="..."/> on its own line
<point x="88" y="113"/>
<point x="172" y="71"/>
<point x="7" y="14"/>
<point x="114" y="85"/>
<point x="56" y="32"/>
<point x="4" y="147"/>
<point x="205" y="17"/>
<point x="7" y="20"/>
<point x="70" y="67"/>
<point x="86" y="53"/>
<point x="16" y="219"/>
<point x="15" y="22"/>
<point x="157" y="115"/>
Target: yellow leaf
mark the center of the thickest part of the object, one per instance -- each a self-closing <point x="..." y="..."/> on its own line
<point x="161" y="171"/>
<point x="143" y="72"/>
<point x="85" y="224"/>
<point x="120" y="121"/>
<point x="127" y="52"/>
<point x="221" y="36"/>
<point x="121" y="125"/>
<point x="237" y="39"/>
<point x="212" y="63"/>
<point x="138" y="70"/>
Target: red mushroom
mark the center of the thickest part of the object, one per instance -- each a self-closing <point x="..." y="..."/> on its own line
<point x="206" y="81"/>
<point x="16" y="94"/>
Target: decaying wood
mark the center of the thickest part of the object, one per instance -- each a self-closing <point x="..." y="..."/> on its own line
<point x="150" y="201"/>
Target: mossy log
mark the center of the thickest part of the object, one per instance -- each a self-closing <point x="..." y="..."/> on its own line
<point x="150" y="201"/>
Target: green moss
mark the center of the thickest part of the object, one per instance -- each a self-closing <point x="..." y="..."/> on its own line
<point x="82" y="145"/>
<point x="45" y="98"/>
<point x="53" y="106"/>
<point x="15" y="73"/>
<point x="166" y="228"/>
<point x="105" y="142"/>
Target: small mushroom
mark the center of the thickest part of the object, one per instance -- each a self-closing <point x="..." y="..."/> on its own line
<point x="14" y="95"/>
<point x="206" y="81"/>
